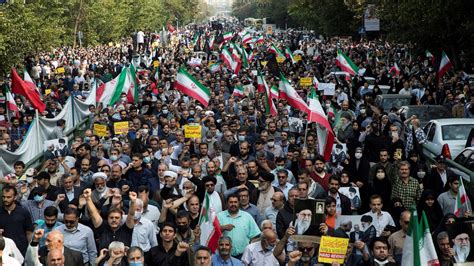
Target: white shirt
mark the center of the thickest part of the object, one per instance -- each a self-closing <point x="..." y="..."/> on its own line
<point x="255" y="255"/>
<point x="153" y="214"/>
<point x="144" y="235"/>
<point x="7" y="260"/>
<point x="380" y="221"/>
<point x="12" y="251"/>
<point x="140" y="37"/>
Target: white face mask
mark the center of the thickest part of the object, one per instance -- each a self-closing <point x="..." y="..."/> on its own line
<point x="358" y="155"/>
<point x="4" y="146"/>
<point x="137" y="215"/>
<point x="271" y="144"/>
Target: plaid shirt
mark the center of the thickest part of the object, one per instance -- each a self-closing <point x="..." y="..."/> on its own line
<point x="420" y="136"/>
<point x="409" y="192"/>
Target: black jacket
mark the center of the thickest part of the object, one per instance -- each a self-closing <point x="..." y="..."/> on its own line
<point x="283" y="219"/>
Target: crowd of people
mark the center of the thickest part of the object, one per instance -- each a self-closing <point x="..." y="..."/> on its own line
<point x="136" y="198"/>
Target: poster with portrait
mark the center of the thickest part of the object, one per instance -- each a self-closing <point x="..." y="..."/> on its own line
<point x="308" y="215"/>
<point x="353" y="194"/>
<point x="460" y="238"/>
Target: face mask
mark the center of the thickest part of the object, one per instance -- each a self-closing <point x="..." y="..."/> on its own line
<point x="358" y="155"/>
<point x="29" y="180"/>
<point x="145" y="131"/>
<point x="182" y="228"/>
<point x="363" y="111"/>
<point x="124" y="99"/>
<point x="270" y="247"/>
<point x="280" y="168"/>
<point x="61" y="146"/>
<point x="137" y="215"/>
<point x="421" y="174"/>
<point x="101" y="189"/>
<point x="271" y="144"/>
<point x="146" y="160"/>
<point x="286" y="129"/>
<point x="328" y="105"/>
<point x="191" y="112"/>
<point x="165" y="111"/>
<point x="38" y="198"/>
<point x="380" y="176"/>
<point x="87" y="139"/>
<point x="241" y="138"/>
<point x="114" y="158"/>
<point x="4" y="146"/>
<point x="70" y="230"/>
<point x="135" y="264"/>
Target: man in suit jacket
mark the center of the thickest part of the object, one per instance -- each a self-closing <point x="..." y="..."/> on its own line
<point x="54" y="240"/>
<point x="69" y="191"/>
<point x="343" y="203"/>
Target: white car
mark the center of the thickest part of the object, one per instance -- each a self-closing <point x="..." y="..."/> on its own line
<point x="446" y="136"/>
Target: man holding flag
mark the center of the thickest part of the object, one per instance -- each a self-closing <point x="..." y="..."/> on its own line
<point x="455" y="200"/>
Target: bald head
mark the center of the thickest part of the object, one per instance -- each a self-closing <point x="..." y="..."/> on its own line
<point x="55" y="240"/>
<point x="55" y="257"/>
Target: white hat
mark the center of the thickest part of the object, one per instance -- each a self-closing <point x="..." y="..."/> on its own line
<point x="99" y="175"/>
<point x="171" y="174"/>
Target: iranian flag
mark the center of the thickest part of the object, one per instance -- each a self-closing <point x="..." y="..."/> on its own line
<point x="195" y="39"/>
<point x="345" y="63"/>
<point x="260" y="83"/>
<point x="275" y="92"/>
<point x="24" y="88"/>
<point x="251" y="56"/>
<point x="395" y="69"/>
<point x="289" y="93"/>
<point x="260" y="39"/>
<point x="245" y="58"/>
<point x="11" y="104"/>
<point x="247" y="38"/>
<point x="289" y="54"/>
<point x="109" y="93"/>
<point x="238" y="91"/>
<point x="209" y="225"/>
<point x="211" y="42"/>
<point x="29" y="81"/>
<point x="188" y="85"/>
<point x="444" y="66"/>
<point x="316" y="114"/>
<point x="230" y="61"/>
<point x="315" y="82"/>
<point x="428" y="54"/>
<point x="228" y="36"/>
<point x="270" y="108"/>
<point x="462" y="201"/>
<point x="235" y="52"/>
<point x="418" y="249"/>
<point x="276" y="51"/>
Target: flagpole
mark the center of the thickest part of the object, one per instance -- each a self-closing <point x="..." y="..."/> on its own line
<point x="200" y="212"/>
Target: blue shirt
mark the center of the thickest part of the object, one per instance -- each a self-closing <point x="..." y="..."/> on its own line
<point x="244" y="229"/>
<point x="41" y="224"/>
<point x="218" y="261"/>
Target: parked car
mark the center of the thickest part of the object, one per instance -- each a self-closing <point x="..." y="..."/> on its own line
<point x="425" y="112"/>
<point x="446" y="136"/>
<point x="387" y="101"/>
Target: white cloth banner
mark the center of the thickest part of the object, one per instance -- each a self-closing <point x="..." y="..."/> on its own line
<point x="41" y="129"/>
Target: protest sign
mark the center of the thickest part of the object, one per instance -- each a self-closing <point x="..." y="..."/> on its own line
<point x="192" y="131"/>
<point x="332" y="249"/>
<point x="100" y="130"/>
<point x="121" y="128"/>
<point x="305" y="82"/>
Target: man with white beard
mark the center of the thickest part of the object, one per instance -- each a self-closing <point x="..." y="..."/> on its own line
<point x="303" y="221"/>
<point x="462" y="247"/>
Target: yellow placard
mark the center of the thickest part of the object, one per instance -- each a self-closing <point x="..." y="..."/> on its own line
<point x="156" y="63"/>
<point x="100" y="130"/>
<point x="305" y="82"/>
<point x="111" y="44"/>
<point x="60" y="70"/>
<point x="332" y="249"/>
<point x="121" y="128"/>
<point x="47" y="91"/>
<point x="264" y="63"/>
<point x="192" y="131"/>
<point x="280" y="59"/>
<point x="297" y="57"/>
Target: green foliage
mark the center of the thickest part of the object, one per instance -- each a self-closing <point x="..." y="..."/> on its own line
<point x="40" y="25"/>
